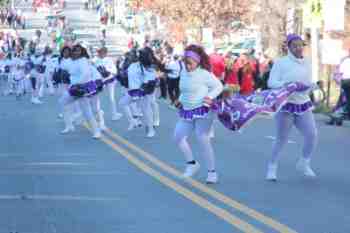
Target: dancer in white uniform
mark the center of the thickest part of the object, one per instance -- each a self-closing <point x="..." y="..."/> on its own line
<point x="102" y="61"/>
<point x="80" y="76"/>
<point x="198" y="88"/>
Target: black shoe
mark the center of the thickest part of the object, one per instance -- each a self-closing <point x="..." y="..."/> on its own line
<point x="331" y="122"/>
<point x="339" y="122"/>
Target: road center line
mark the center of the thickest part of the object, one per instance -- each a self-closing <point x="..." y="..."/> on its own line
<point x="56" y="198"/>
<point x="202" y="202"/>
<point x="204" y="188"/>
<point x="221" y="213"/>
<point x="55" y="164"/>
<point x="274" y="139"/>
<point x="33" y="173"/>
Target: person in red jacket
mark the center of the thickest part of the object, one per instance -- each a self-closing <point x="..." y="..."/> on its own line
<point x="245" y="75"/>
<point x="231" y="70"/>
<point x="217" y="62"/>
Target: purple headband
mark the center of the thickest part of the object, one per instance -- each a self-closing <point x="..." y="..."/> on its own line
<point x="191" y="54"/>
<point x="292" y="37"/>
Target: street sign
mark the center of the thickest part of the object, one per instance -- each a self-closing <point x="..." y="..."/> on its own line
<point x="312" y="13"/>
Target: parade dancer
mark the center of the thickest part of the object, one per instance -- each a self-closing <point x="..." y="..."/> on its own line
<point x="63" y="66"/>
<point x="198" y="89"/>
<point x="141" y="86"/>
<point x="81" y="76"/>
<point x="107" y="64"/>
<point x="9" y="65"/>
<point x="61" y="76"/>
<point x="95" y="99"/>
<point x="298" y="110"/>
<point x="49" y="65"/>
<point x="36" y="76"/>
<point x="19" y="76"/>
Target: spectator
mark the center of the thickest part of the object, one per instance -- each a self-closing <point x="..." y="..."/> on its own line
<point x="173" y="78"/>
<point x="217" y="63"/>
<point x="245" y="75"/>
<point x="344" y="70"/>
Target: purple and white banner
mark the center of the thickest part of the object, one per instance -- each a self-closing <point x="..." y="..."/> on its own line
<point x="235" y="112"/>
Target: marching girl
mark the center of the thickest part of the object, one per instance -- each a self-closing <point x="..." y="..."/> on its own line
<point x="107" y="64"/>
<point x="298" y="111"/>
<point x="61" y="76"/>
<point x="64" y="64"/>
<point x="19" y="75"/>
<point x="49" y="65"/>
<point x="132" y="110"/>
<point x="142" y="82"/>
<point x="198" y="88"/>
<point x="95" y="99"/>
<point x="81" y="83"/>
<point x="36" y="76"/>
<point x="9" y="65"/>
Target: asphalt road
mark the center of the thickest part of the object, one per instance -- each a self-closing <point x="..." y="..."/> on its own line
<point x="127" y="183"/>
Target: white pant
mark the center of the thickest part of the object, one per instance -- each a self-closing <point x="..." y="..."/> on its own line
<point x="147" y="104"/>
<point x="67" y="100"/>
<point x="46" y="80"/>
<point x="201" y="127"/>
<point x="111" y="94"/>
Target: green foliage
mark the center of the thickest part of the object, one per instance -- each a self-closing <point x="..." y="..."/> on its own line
<point x="4" y="3"/>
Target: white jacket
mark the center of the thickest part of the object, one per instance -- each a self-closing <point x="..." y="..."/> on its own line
<point x="136" y="77"/>
<point x="291" y="69"/>
<point x="80" y="71"/>
<point x="196" y="85"/>
<point x="107" y="63"/>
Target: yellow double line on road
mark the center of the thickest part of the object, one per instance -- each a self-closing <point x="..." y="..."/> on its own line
<point x="204" y="203"/>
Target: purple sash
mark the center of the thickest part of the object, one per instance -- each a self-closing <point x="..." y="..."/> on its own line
<point x="136" y="93"/>
<point x="87" y="89"/>
<point x="96" y="87"/>
<point x="297" y="108"/>
<point x="236" y="112"/>
<point x="196" y="113"/>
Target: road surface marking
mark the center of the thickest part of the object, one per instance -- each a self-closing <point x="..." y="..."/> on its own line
<point x="63" y="173"/>
<point x="50" y="155"/>
<point x="56" y="164"/>
<point x="274" y="139"/>
<point x="56" y="198"/>
<point x="204" y="188"/>
<point x="195" y="198"/>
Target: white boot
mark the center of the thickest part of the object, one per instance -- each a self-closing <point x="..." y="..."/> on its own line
<point x="68" y="129"/>
<point x="35" y="100"/>
<point x="68" y="122"/>
<point x="212" y="178"/>
<point x="116" y="116"/>
<point x="150" y="132"/>
<point x="303" y="166"/>
<point x="156" y="122"/>
<point x="96" y="130"/>
<point x="97" y="134"/>
<point x="101" y="120"/>
<point x="272" y="172"/>
<point x="133" y="124"/>
<point x="191" y="169"/>
<point x="41" y="91"/>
